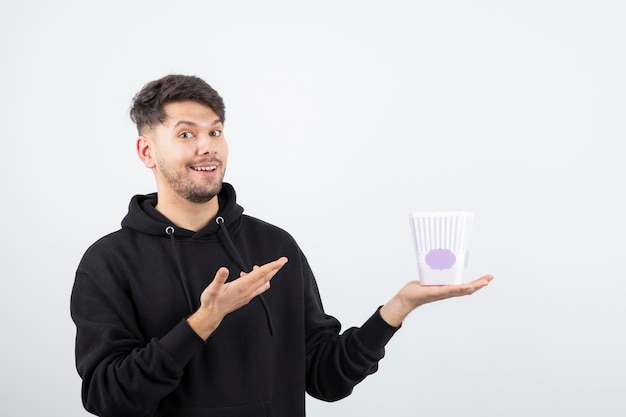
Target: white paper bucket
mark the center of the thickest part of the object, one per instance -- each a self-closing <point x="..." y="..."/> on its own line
<point x="441" y="244"/>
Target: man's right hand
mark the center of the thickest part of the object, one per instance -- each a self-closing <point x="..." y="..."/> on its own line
<point x="220" y="298"/>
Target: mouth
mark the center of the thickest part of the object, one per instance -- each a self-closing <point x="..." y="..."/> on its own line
<point x="205" y="169"/>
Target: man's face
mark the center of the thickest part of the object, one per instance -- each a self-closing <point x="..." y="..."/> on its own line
<point x="188" y="152"/>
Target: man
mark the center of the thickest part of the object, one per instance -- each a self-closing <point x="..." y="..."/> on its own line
<point x="174" y="312"/>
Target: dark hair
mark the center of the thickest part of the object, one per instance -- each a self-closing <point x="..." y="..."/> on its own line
<point x="147" y="108"/>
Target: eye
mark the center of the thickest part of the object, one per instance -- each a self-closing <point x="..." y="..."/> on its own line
<point x="186" y="135"/>
<point x="216" y="133"/>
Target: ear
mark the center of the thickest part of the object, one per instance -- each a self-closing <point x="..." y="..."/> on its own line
<point x="144" y="151"/>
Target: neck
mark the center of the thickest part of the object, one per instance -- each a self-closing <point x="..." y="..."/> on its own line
<point x="191" y="216"/>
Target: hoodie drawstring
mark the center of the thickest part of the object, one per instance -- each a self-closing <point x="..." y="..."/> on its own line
<point x="244" y="267"/>
<point x="183" y="279"/>
<point x="232" y="249"/>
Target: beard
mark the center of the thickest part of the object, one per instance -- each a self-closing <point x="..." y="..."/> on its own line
<point x="185" y="187"/>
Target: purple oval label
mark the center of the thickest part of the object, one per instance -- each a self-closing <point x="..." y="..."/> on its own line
<point x="440" y="259"/>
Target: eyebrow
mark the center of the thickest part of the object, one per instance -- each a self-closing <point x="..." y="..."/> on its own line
<point x="190" y="123"/>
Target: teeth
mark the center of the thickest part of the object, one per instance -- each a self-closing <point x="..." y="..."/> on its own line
<point x="204" y="168"/>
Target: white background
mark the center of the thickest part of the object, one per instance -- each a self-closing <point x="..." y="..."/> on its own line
<point x="343" y="117"/>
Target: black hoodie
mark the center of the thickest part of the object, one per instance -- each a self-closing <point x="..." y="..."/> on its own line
<point x="137" y="356"/>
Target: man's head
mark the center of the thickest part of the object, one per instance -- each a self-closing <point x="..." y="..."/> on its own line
<point x="148" y="105"/>
<point x="181" y="121"/>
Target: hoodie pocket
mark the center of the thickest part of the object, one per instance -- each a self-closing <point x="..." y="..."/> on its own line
<point x="261" y="409"/>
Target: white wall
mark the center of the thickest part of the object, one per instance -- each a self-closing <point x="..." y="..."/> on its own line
<point x="342" y="117"/>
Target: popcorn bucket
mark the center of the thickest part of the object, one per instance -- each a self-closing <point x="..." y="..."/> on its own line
<point x="441" y="244"/>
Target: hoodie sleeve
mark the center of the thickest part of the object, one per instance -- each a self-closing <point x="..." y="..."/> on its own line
<point x="123" y="375"/>
<point x="338" y="362"/>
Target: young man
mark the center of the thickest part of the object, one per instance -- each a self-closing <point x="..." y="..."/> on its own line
<point x="174" y="312"/>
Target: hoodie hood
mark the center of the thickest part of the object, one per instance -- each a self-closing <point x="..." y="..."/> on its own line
<point x="143" y="217"/>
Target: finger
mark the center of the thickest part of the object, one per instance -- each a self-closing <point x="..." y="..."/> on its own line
<point x="270" y="267"/>
<point x="481" y="282"/>
<point x="277" y="264"/>
<point x="473" y="286"/>
<point x="262" y="274"/>
<point x="221" y="275"/>
<point x="486" y="279"/>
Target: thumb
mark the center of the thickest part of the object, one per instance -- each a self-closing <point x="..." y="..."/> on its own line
<point x="221" y="275"/>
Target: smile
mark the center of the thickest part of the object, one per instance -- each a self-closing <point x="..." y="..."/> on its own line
<point x="212" y="168"/>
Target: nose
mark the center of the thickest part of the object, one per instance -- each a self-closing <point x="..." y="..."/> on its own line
<point x="206" y="145"/>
